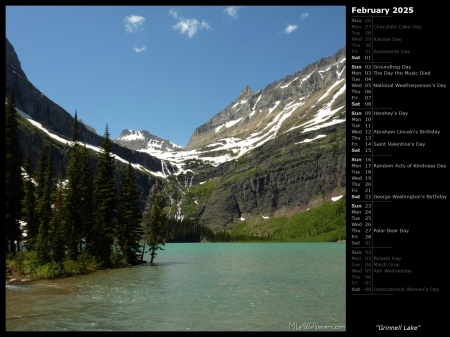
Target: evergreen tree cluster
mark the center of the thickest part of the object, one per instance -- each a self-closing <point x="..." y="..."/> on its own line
<point x="68" y="215"/>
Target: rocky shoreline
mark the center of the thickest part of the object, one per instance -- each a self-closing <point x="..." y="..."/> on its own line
<point x="18" y="281"/>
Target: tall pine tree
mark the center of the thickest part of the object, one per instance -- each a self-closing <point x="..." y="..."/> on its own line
<point x="155" y="227"/>
<point x="106" y="212"/>
<point x="78" y="191"/>
<point x="13" y="185"/>
<point x="129" y="232"/>
<point x="57" y="235"/>
<point x="29" y="206"/>
<point x="86" y="192"/>
<point x="45" y="201"/>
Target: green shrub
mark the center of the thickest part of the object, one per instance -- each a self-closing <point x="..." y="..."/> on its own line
<point x="71" y="267"/>
<point x="87" y="263"/>
<point x="22" y="264"/>
<point x="50" y="270"/>
<point x="117" y="259"/>
<point x="15" y="265"/>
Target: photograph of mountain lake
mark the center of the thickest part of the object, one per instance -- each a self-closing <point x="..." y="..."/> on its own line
<point x="175" y="168"/>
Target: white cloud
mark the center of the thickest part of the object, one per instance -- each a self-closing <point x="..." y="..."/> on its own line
<point x="304" y="16"/>
<point x="188" y="26"/>
<point x="138" y="50"/>
<point x="134" y="23"/>
<point x="232" y="11"/>
<point x="290" y="28"/>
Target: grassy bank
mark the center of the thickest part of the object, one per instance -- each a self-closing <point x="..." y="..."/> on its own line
<point x="325" y="223"/>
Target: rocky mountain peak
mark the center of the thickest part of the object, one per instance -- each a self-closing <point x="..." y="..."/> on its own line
<point x="246" y="91"/>
<point x="12" y="60"/>
<point x="138" y="140"/>
<point x="255" y="113"/>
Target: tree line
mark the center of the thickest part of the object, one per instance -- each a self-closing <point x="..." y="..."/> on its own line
<point x="72" y="215"/>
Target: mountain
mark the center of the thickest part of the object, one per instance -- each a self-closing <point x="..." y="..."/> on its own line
<point x="263" y="115"/>
<point x="55" y="120"/>
<point x="138" y="140"/>
<point x="269" y="153"/>
<point x="308" y="100"/>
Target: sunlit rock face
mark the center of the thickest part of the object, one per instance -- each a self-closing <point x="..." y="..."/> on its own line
<point x="287" y="103"/>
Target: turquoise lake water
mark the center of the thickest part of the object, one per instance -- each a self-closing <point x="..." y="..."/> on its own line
<point x="195" y="287"/>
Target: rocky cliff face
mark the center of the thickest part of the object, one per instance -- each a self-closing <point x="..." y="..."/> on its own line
<point x="279" y="178"/>
<point x="12" y="61"/>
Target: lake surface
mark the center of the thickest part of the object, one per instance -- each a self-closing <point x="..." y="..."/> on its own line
<point x="195" y="287"/>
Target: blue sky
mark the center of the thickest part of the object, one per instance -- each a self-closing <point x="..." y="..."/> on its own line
<point x="165" y="69"/>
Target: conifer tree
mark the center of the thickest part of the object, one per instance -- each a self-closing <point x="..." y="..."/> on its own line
<point x="155" y="233"/>
<point x="105" y="196"/>
<point x="86" y="191"/>
<point x="45" y="205"/>
<point x="13" y="172"/>
<point x="57" y="235"/>
<point x="29" y="206"/>
<point x="129" y="231"/>
<point x="40" y="175"/>
<point x="76" y="195"/>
